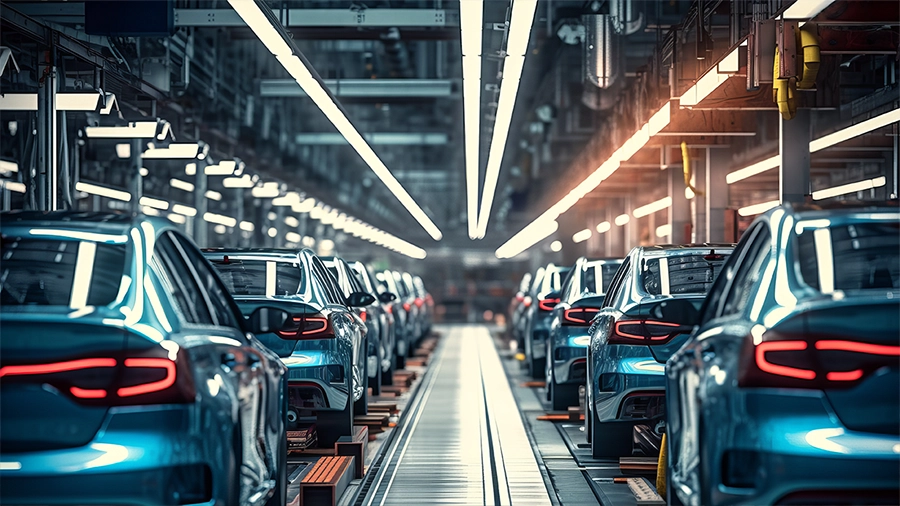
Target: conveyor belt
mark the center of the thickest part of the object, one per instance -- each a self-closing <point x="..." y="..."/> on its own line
<point x="464" y="441"/>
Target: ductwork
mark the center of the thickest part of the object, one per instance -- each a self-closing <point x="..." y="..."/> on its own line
<point x="625" y="19"/>
<point x="601" y="50"/>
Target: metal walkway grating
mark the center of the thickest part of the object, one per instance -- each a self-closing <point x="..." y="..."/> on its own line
<point x="465" y="443"/>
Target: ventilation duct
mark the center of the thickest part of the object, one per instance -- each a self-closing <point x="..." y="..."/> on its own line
<point x="625" y="20"/>
<point x="601" y="51"/>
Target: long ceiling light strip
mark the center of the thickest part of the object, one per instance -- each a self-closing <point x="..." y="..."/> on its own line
<point x="758" y="208"/>
<point x="265" y="30"/>
<point x="844" y="189"/>
<point x="103" y="191"/>
<point x="658" y="121"/>
<point x="471" y="21"/>
<point x="520" y="22"/>
<point x="819" y="144"/>
<point x="652" y="207"/>
<point x="806" y="9"/>
<point x="534" y="233"/>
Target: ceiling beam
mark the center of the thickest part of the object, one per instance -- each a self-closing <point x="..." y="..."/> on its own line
<point x="380" y="138"/>
<point x="364" y="88"/>
<point x="371" y="18"/>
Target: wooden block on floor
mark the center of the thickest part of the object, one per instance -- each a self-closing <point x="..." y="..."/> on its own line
<point x="354" y="446"/>
<point x="376" y="422"/>
<point x="640" y="464"/>
<point x="405" y="372"/>
<point x="575" y="414"/>
<point x="394" y="389"/>
<point x="383" y="407"/>
<point x="326" y="482"/>
<point x="534" y="384"/>
<point x="403" y="381"/>
<point x="417" y="362"/>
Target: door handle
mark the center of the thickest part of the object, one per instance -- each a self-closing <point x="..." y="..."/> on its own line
<point x="229" y="360"/>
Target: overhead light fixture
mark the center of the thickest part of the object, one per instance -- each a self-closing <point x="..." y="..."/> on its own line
<point x="622" y="220"/>
<point x="653" y="207"/>
<point x="521" y="19"/>
<point x="289" y="199"/>
<point x="149" y="211"/>
<point x="663" y="231"/>
<point x="220" y="229"/>
<point x="213" y="195"/>
<point x="177" y="218"/>
<point x="273" y="232"/>
<point x="103" y="191"/>
<point x="190" y="169"/>
<point x="292" y="221"/>
<point x="556" y="246"/>
<point x="228" y="221"/>
<point x="709" y="82"/>
<point x="532" y="234"/>
<point x="181" y="185"/>
<point x="184" y="210"/>
<point x="238" y="182"/>
<point x="471" y="21"/>
<point x="266" y="191"/>
<point x="134" y="130"/>
<point x="304" y="207"/>
<point x="758" y="208"/>
<point x="123" y="150"/>
<point x="806" y="9"/>
<point x="293" y="237"/>
<point x="223" y="168"/>
<point x="837" y="191"/>
<point x="252" y="14"/>
<point x="154" y="203"/>
<point x="70" y="102"/>
<point x="144" y="171"/>
<point x="186" y="150"/>
<point x="604" y="227"/>
<point x="13" y="186"/>
<point x="7" y="167"/>
<point x="819" y="144"/>
<point x="582" y="236"/>
<point x="247" y="226"/>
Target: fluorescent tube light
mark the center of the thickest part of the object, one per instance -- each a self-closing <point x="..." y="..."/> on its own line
<point x="123" y="150"/>
<point x="253" y="15"/>
<point x="556" y="246"/>
<point x="184" y="210"/>
<point x="520" y="22"/>
<point x="293" y="237"/>
<point x="190" y="169"/>
<point x="292" y="221"/>
<point x="247" y="226"/>
<point x="604" y="227"/>
<point x="7" y="167"/>
<point x="144" y="171"/>
<point x="806" y="9"/>
<point x="752" y="170"/>
<point x="471" y="16"/>
<point x="154" y="203"/>
<point x="582" y="236"/>
<point x="177" y="218"/>
<point x="304" y="207"/>
<point x="532" y="234"/>
<point x="288" y="200"/>
<point x="238" y="182"/>
<point x="266" y="191"/>
<point x="758" y="208"/>
<point x="622" y="220"/>
<point x="149" y="211"/>
<point x="837" y="191"/>
<point x="663" y="231"/>
<point x="138" y="130"/>
<point x="18" y="102"/>
<point x="181" y="185"/>
<point x="13" y="186"/>
<point x="77" y="101"/>
<point x="187" y="151"/>
<point x="220" y="229"/>
<point x="223" y="168"/>
<point x="213" y="195"/>
<point x="856" y="130"/>
<point x="228" y="221"/>
<point x="103" y="191"/>
<point x="653" y="207"/>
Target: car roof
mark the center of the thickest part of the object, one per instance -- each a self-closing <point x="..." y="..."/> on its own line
<point x="73" y="220"/>
<point x="283" y="253"/>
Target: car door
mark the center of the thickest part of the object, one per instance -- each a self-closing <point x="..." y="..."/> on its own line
<point x="223" y="348"/>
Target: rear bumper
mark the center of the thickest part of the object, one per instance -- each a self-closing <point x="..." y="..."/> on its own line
<point x="140" y="457"/>
<point x="569" y="350"/>
<point x="331" y="377"/>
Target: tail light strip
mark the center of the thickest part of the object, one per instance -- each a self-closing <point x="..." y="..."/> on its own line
<point x="765" y="365"/>
<point x="647" y="325"/>
<point x="548" y="304"/>
<point x="579" y="316"/>
<point x="156" y="386"/>
<point x="56" y="367"/>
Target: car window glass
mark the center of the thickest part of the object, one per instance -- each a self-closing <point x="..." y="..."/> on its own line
<point x="328" y="282"/>
<point x="747" y="273"/>
<point x="251" y="276"/>
<point x="60" y="272"/>
<point x="625" y="287"/>
<point x="200" y="280"/>
<point x="616" y="284"/>
<point x="197" y="311"/>
<point x="674" y="274"/>
<point x="219" y="299"/>
<point x="861" y="256"/>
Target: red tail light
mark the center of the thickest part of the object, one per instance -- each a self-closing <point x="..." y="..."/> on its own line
<point x="519" y="297"/>
<point x="363" y="315"/>
<point x="407" y="306"/>
<point x="138" y="377"/>
<point x="419" y="302"/>
<point x="303" y="326"/>
<point x="645" y="332"/>
<point x="796" y="361"/>
<point x="389" y="308"/>
<point x="579" y="316"/>
<point x="548" y="304"/>
<point x="527" y="302"/>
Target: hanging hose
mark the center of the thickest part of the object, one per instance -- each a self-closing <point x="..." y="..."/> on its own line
<point x="810" y="59"/>
<point x="686" y="163"/>
<point x="784" y="91"/>
<point x="661" y="468"/>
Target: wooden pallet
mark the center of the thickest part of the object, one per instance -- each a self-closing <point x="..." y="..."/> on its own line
<point x="326" y="482"/>
<point x="376" y="422"/>
<point x="354" y="446"/>
<point x="384" y="407"/>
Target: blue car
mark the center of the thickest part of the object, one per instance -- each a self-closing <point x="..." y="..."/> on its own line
<point x="646" y="316"/>
<point x="581" y="297"/>
<point x="542" y="298"/>
<point x="128" y="375"/>
<point x="324" y="348"/>
<point x="380" y="320"/>
<point x="788" y="392"/>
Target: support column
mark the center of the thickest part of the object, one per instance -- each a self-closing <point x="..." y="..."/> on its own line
<point x="718" y="164"/>
<point x="617" y="233"/>
<point x="793" y="148"/>
<point x="680" y="210"/>
<point x="201" y="203"/>
<point x="239" y="216"/>
<point x="608" y="242"/>
<point x="699" y="217"/>
<point x="631" y="234"/>
<point x="48" y="176"/>
<point x="136" y="181"/>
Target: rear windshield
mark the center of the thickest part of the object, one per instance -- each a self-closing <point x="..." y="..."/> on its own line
<point x="363" y="276"/>
<point x="60" y="273"/>
<point x="868" y="255"/>
<point x="682" y="274"/>
<point x="553" y="279"/>
<point x="267" y="278"/>
<point x="597" y="277"/>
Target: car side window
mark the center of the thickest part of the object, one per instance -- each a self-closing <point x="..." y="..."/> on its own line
<point x="616" y="284"/>
<point x="713" y="301"/>
<point x="188" y="294"/>
<point x="218" y="296"/>
<point x="328" y="282"/>
<point x="748" y="272"/>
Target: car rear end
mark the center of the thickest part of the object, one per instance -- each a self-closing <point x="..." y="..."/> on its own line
<point x="821" y="383"/>
<point x="89" y="396"/>
<point x="546" y="297"/>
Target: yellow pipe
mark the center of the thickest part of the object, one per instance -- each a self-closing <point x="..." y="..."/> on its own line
<point x="784" y="92"/>
<point x="661" y="468"/>
<point x="686" y="163"/>
<point x="811" y="59"/>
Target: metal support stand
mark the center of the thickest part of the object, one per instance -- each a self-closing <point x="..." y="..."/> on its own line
<point x="680" y="210"/>
<point x="201" y="228"/>
<point x="793" y="144"/>
<point x="48" y="176"/>
<point x="239" y="216"/>
<point x="718" y="164"/>
<point x="136" y="183"/>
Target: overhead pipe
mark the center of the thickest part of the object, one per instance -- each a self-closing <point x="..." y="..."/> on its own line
<point x="784" y="89"/>
<point x="601" y="50"/>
